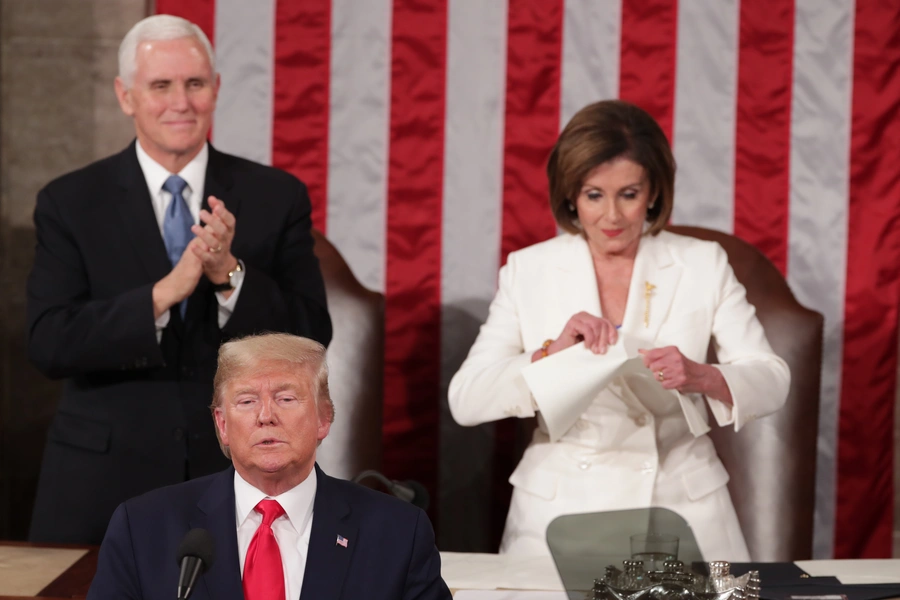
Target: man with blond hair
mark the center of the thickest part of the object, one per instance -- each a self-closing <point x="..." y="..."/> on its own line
<point x="280" y="527"/>
<point x="146" y="261"/>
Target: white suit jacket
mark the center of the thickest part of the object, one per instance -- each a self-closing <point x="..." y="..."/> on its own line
<point x="625" y="426"/>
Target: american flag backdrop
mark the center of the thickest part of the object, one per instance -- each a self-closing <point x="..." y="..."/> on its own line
<point x="422" y="128"/>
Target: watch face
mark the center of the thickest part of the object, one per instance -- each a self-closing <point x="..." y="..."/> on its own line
<point x="234" y="276"/>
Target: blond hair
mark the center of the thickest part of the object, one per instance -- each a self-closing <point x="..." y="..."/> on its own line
<point x="242" y="354"/>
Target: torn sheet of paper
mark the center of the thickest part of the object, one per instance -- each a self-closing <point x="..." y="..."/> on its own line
<point x="566" y="383"/>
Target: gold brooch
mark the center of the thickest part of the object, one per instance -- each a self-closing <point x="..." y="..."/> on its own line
<point x="648" y="291"/>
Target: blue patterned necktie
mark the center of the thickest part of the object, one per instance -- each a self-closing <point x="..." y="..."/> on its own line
<point x="177" y="224"/>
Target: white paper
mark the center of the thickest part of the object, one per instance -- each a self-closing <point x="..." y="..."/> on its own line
<point x="508" y="595"/>
<point x="473" y="571"/>
<point x="857" y="571"/>
<point x="564" y="384"/>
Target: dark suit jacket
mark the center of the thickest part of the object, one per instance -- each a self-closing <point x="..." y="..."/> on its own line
<point x="134" y="413"/>
<point x="390" y="554"/>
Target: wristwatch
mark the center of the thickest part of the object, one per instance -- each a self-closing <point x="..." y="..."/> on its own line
<point x="234" y="277"/>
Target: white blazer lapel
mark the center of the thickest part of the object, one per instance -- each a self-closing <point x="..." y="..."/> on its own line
<point x="575" y="281"/>
<point x="654" y="282"/>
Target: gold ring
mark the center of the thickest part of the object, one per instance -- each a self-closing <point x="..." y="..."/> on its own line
<point x="219" y="249"/>
<point x="660" y="375"/>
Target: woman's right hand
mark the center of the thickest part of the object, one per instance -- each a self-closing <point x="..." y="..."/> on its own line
<point x="597" y="334"/>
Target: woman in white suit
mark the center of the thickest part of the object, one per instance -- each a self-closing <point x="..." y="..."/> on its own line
<point x="603" y="332"/>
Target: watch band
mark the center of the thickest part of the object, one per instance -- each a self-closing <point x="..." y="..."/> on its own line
<point x="227" y="286"/>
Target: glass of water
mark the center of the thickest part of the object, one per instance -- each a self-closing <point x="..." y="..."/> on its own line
<point x="654" y="549"/>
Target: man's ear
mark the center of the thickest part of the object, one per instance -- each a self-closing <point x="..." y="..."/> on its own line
<point x="219" y="414"/>
<point x="124" y="96"/>
<point x="324" y="428"/>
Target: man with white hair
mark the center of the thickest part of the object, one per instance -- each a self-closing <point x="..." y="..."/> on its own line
<point x="278" y="526"/>
<point x="145" y="262"/>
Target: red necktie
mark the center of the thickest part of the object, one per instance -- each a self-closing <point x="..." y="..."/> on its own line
<point x="263" y="573"/>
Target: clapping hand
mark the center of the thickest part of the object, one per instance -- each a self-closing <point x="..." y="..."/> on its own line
<point x="180" y="281"/>
<point x="215" y="237"/>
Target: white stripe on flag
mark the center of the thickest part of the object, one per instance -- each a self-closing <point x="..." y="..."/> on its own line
<point x="472" y="192"/>
<point x="820" y="142"/>
<point x="704" y="120"/>
<point x="245" y="38"/>
<point x="358" y="135"/>
<point x="590" y="62"/>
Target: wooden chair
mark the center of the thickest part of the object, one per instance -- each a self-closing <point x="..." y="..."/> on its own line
<point x="355" y="363"/>
<point x="772" y="461"/>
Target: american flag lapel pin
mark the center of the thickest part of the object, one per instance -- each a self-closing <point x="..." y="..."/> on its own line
<point x="341" y="541"/>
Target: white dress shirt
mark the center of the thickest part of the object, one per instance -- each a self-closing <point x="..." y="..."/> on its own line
<point x="194" y="173"/>
<point x="291" y="529"/>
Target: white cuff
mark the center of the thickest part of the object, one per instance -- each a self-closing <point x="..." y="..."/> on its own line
<point x="226" y="306"/>
<point x="161" y="324"/>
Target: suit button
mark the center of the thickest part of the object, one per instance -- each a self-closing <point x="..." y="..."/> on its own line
<point x="647" y="467"/>
<point x="187" y="371"/>
<point x="178" y="434"/>
<point x="641" y="420"/>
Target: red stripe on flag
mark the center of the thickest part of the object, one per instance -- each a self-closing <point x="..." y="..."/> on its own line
<point x="647" y="57"/>
<point x="763" y="130"/>
<point x="863" y="519"/>
<point x="533" y="67"/>
<point x="534" y="47"/>
<point x="300" y="99"/>
<point x="200" y="12"/>
<point x="413" y="269"/>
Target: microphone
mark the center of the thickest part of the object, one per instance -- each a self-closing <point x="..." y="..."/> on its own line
<point x="196" y="554"/>
<point x="408" y="491"/>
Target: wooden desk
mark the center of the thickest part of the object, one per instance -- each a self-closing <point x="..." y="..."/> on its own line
<point x="464" y="571"/>
<point x="73" y="582"/>
<point x="460" y="570"/>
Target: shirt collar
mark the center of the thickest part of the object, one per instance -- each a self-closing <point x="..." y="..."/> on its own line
<point x="297" y="502"/>
<point x="194" y="173"/>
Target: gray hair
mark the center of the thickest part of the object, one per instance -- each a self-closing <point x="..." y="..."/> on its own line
<point x="245" y="353"/>
<point x="156" y="28"/>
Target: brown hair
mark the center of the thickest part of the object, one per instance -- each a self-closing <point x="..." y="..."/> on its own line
<point x="241" y="354"/>
<point x="599" y="133"/>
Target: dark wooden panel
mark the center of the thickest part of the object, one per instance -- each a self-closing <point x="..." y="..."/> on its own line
<point x="27" y="399"/>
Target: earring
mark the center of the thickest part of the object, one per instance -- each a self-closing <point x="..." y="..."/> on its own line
<point x="570" y="206"/>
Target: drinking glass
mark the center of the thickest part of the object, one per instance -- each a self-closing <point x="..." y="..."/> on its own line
<point x="654" y="549"/>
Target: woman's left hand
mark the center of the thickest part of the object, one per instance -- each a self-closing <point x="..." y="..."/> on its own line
<point x="674" y="371"/>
